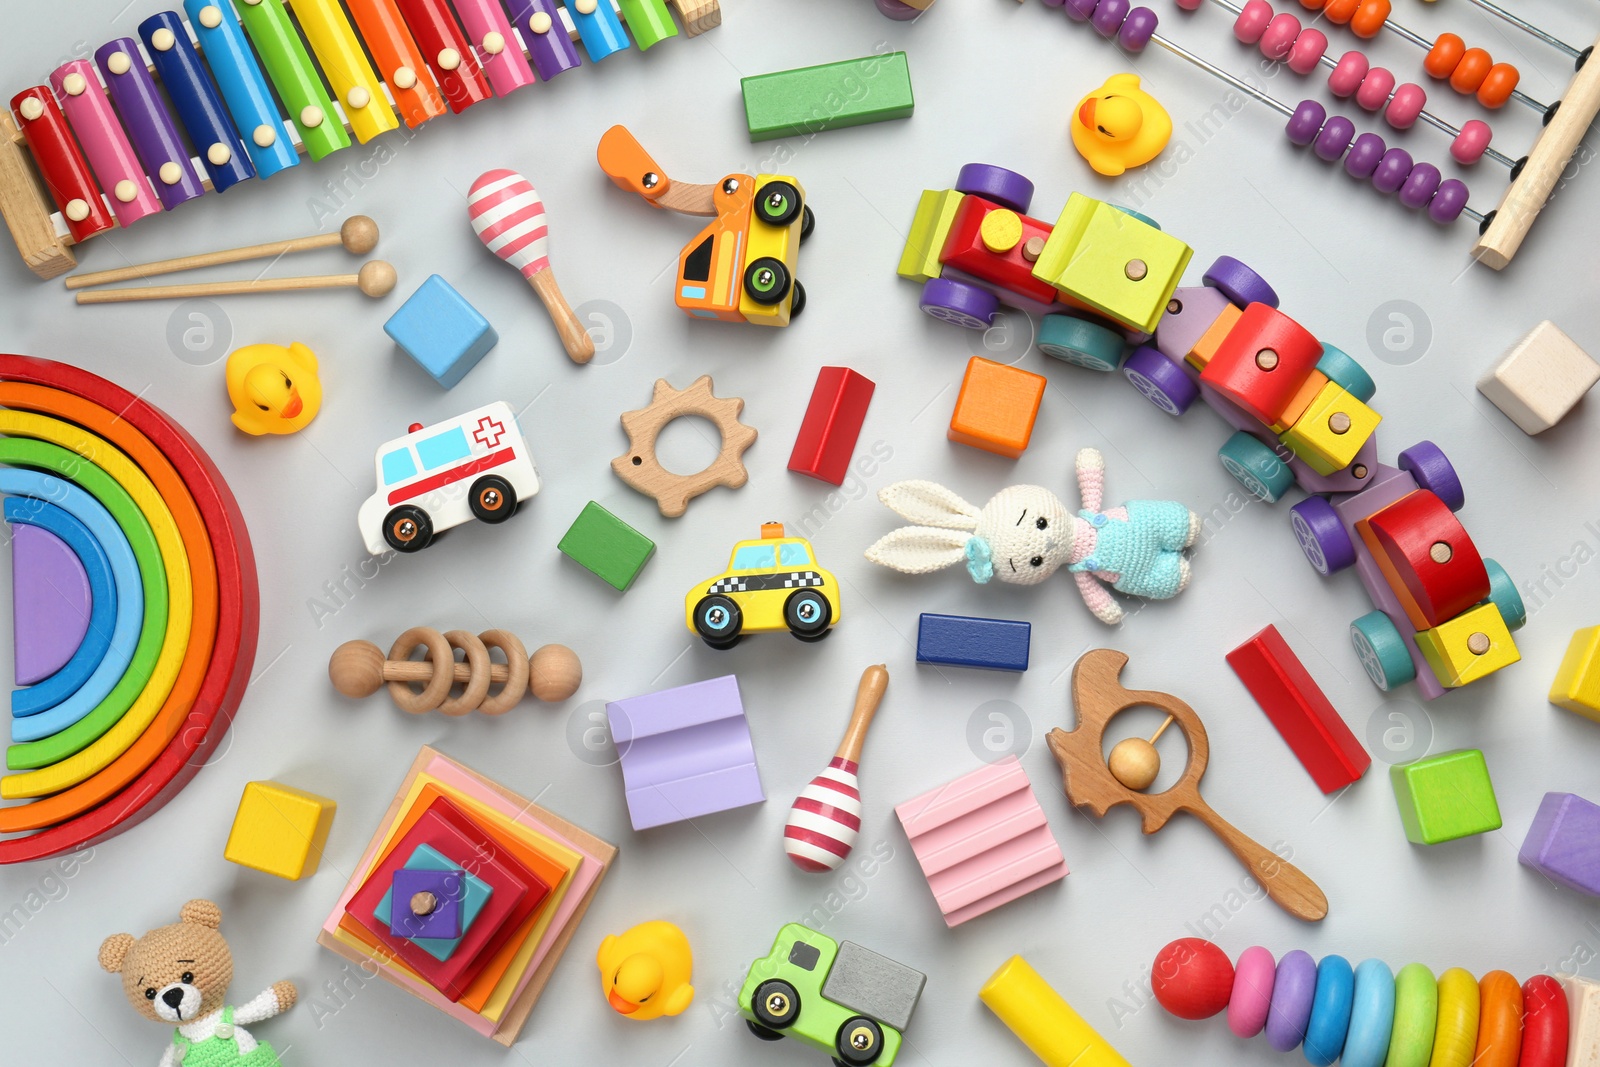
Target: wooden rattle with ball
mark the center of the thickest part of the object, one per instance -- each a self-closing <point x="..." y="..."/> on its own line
<point x="359" y="669"/>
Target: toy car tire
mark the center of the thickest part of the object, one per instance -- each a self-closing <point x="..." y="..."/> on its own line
<point x="407" y="528"/>
<point x="767" y="281"/>
<point x="808" y="220"/>
<point x="763" y="999"/>
<point x="493" y="500"/>
<point x="1160" y="381"/>
<point x="1080" y="342"/>
<point x="798" y="304"/>
<point x="1239" y="283"/>
<point x="706" y="615"/>
<point x="1259" y="469"/>
<point x="959" y="303"/>
<point x="777" y="203"/>
<point x="1005" y="187"/>
<point x="1503" y="594"/>
<point x="1434" y="472"/>
<point x="1322" y="536"/>
<point x="804" y="603"/>
<point x="1382" y="652"/>
<point x="1346" y="373"/>
<point x="858" y="1042"/>
<point x="761" y="1031"/>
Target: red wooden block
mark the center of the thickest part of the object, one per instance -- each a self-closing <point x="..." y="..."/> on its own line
<point x="833" y="422"/>
<point x="1263" y="362"/>
<point x="440" y="36"/>
<point x="1300" y="710"/>
<point x="964" y="249"/>
<point x="66" y="173"/>
<point x="1427" y="556"/>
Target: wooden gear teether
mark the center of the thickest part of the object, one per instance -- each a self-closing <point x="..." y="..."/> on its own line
<point x="1094" y="783"/>
<point x="359" y="669"/>
<point x="672" y="492"/>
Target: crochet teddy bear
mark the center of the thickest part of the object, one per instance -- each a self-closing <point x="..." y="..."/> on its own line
<point x="1025" y="534"/>
<point x="180" y="974"/>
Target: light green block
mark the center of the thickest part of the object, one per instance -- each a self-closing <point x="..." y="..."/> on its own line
<point x="648" y="20"/>
<point x="1123" y="268"/>
<point x="1445" y="797"/>
<point x="606" y="545"/>
<point x="935" y="211"/>
<point x="829" y="96"/>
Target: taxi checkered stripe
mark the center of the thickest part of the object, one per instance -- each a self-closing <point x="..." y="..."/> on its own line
<point x="751" y="583"/>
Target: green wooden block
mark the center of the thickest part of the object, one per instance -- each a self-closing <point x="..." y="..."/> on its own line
<point x="1122" y="267"/>
<point x="648" y="20"/>
<point x="607" y="546"/>
<point x="931" y="224"/>
<point x="1445" y="797"/>
<point x="829" y="96"/>
<point x="294" y="76"/>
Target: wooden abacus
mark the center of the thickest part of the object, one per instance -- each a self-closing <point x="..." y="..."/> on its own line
<point x="97" y="147"/>
<point x="359" y="669"/>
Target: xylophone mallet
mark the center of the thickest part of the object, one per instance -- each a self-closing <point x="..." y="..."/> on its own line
<point x="825" y="818"/>
<point x="376" y="279"/>
<point x="358" y="236"/>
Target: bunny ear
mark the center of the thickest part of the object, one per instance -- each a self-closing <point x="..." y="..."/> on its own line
<point x="920" y="549"/>
<point x="929" y="504"/>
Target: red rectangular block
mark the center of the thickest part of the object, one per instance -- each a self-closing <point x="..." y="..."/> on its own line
<point x="833" y="422"/>
<point x="1300" y="710"/>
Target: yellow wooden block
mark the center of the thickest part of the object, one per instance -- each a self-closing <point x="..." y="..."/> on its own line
<point x="1332" y="430"/>
<point x="1112" y="262"/>
<point x="1577" y="684"/>
<point x="1470" y="646"/>
<point x="935" y="211"/>
<point x="279" y="830"/>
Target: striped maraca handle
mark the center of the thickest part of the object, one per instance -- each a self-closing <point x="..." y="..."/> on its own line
<point x="509" y="218"/>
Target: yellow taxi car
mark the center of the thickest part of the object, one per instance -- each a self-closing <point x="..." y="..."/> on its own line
<point x="771" y="584"/>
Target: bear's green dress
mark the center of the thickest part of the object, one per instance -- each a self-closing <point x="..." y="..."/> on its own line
<point x="220" y="1051"/>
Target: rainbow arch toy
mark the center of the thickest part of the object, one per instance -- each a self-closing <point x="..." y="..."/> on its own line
<point x="136" y="606"/>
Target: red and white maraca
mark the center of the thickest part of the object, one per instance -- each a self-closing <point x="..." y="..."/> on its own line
<point x="509" y="218"/>
<point x="825" y="818"/>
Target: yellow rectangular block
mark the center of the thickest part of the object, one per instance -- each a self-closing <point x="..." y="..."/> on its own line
<point x="1470" y="646"/>
<point x="1332" y="430"/>
<point x="279" y="830"/>
<point x="1043" y="1020"/>
<point x="1577" y="683"/>
<point x="935" y="210"/>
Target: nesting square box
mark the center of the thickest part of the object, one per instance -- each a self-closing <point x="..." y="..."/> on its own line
<point x="441" y="331"/>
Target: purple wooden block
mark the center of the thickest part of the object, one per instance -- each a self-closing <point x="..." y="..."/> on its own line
<point x="150" y="127"/>
<point x="685" y="752"/>
<point x="1563" y="844"/>
<point x="448" y="889"/>
<point x="50" y="603"/>
<point x="1178" y="332"/>
<point x="551" y="52"/>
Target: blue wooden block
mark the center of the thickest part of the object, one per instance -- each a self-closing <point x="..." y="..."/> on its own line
<point x="441" y="331"/>
<point x="959" y="641"/>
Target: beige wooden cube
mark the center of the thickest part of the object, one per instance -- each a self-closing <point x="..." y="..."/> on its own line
<point x="1541" y="379"/>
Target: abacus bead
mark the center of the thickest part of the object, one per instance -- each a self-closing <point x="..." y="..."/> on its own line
<point x="1364" y="156"/>
<point x="1054" y="3"/>
<point x="1137" y="29"/>
<point x="1370" y="17"/>
<point x="1340" y="11"/>
<point x="1498" y="85"/>
<point x="1334" y="138"/>
<point x="1421" y="184"/>
<point x="1279" y="36"/>
<point x="1471" y="71"/>
<point x="1190" y="5"/>
<point x="1441" y="60"/>
<point x="1392" y="170"/>
<point x="1375" y="88"/>
<point x="1252" y="21"/>
<point x="1306" y="122"/>
<point x="1308" y="51"/>
<point x="1108" y="16"/>
<point x="1471" y="142"/>
<point x="1080" y="10"/>
<point x="1406" y="104"/>
<point x="1347" y="73"/>
<point x="1448" y="202"/>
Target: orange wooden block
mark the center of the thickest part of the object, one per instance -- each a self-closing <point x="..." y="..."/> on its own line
<point x="1212" y="339"/>
<point x="996" y="408"/>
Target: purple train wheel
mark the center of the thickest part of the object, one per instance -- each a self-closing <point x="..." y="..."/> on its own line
<point x="1005" y="187"/>
<point x="959" y="303"/>
<point x="1240" y="284"/>
<point x="897" y="11"/>
<point x="1434" y="472"/>
<point x="1322" y="536"/>
<point x="1160" y="381"/>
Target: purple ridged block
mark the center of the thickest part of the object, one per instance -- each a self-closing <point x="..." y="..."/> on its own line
<point x="1563" y="844"/>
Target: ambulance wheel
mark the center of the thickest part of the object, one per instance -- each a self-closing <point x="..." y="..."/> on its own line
<point x="493" y="500"/>
<point x="407" y="528"/>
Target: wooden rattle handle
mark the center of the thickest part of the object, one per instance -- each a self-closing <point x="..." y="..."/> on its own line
<point x="574" y="338"/>
<point x="1286" y="884"/>
<point x="874" y="680"/>
<point x="413" y="670"/>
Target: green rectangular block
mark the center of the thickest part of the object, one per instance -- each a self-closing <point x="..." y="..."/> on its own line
<point x="1445" y="797"/>
<point x="648" y="20"/>
<point x="606" y="545"/>
<point x="294" y="76"/>
<point x="829" y="96"/>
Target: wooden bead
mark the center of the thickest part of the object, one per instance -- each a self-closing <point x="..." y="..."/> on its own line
<point x="555" y="673"/>
<point x="356" y="668"/>
<point x="423" y="903"/>
<point x="1192" y="978"/>
<point x="1135" y="763"/>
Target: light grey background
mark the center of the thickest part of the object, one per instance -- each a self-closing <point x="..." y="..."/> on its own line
<point x="995" y="82"/>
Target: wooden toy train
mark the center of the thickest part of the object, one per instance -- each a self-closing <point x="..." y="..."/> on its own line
<point x="106" y="148"/>
<point x="1106" y="280"/>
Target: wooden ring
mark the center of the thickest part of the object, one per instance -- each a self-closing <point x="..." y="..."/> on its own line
<point x="438" y="688"/>
<point x="640" y="469"/>
<point x="477" y="686"/>
<point x="516" y="686"/>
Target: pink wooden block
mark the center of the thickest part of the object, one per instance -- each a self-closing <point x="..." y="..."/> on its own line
<point x="487" y="25"/>
<point x="982" y="840"/>
<point x="106" y="145"/>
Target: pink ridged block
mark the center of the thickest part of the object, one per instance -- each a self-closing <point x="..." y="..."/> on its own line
<point x="982" y="840"/>
<point x="104" y="141"/>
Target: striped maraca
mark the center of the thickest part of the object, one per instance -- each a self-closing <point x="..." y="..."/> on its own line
<point x="826" y="816"/>
<point x="509" y="219"/>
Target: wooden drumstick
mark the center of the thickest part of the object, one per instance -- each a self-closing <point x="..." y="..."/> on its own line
<point x="376" y="279"/>
<point x="358" y="235"/>
<point x="825" y="819"/>
<point x="509" y="218"/>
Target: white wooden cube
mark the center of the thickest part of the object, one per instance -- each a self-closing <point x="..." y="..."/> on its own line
<point x="1541" y="379"/>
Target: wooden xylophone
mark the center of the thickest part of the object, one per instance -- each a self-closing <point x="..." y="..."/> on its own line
<point x="107" y="149"/>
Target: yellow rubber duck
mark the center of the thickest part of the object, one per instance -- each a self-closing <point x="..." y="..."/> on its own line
<point x="645" y="972"/>
<point x="1119" y="125"/>
<point x="273" y="389"/>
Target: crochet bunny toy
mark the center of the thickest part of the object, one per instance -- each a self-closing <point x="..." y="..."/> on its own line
<point x="1025" y="534"/>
